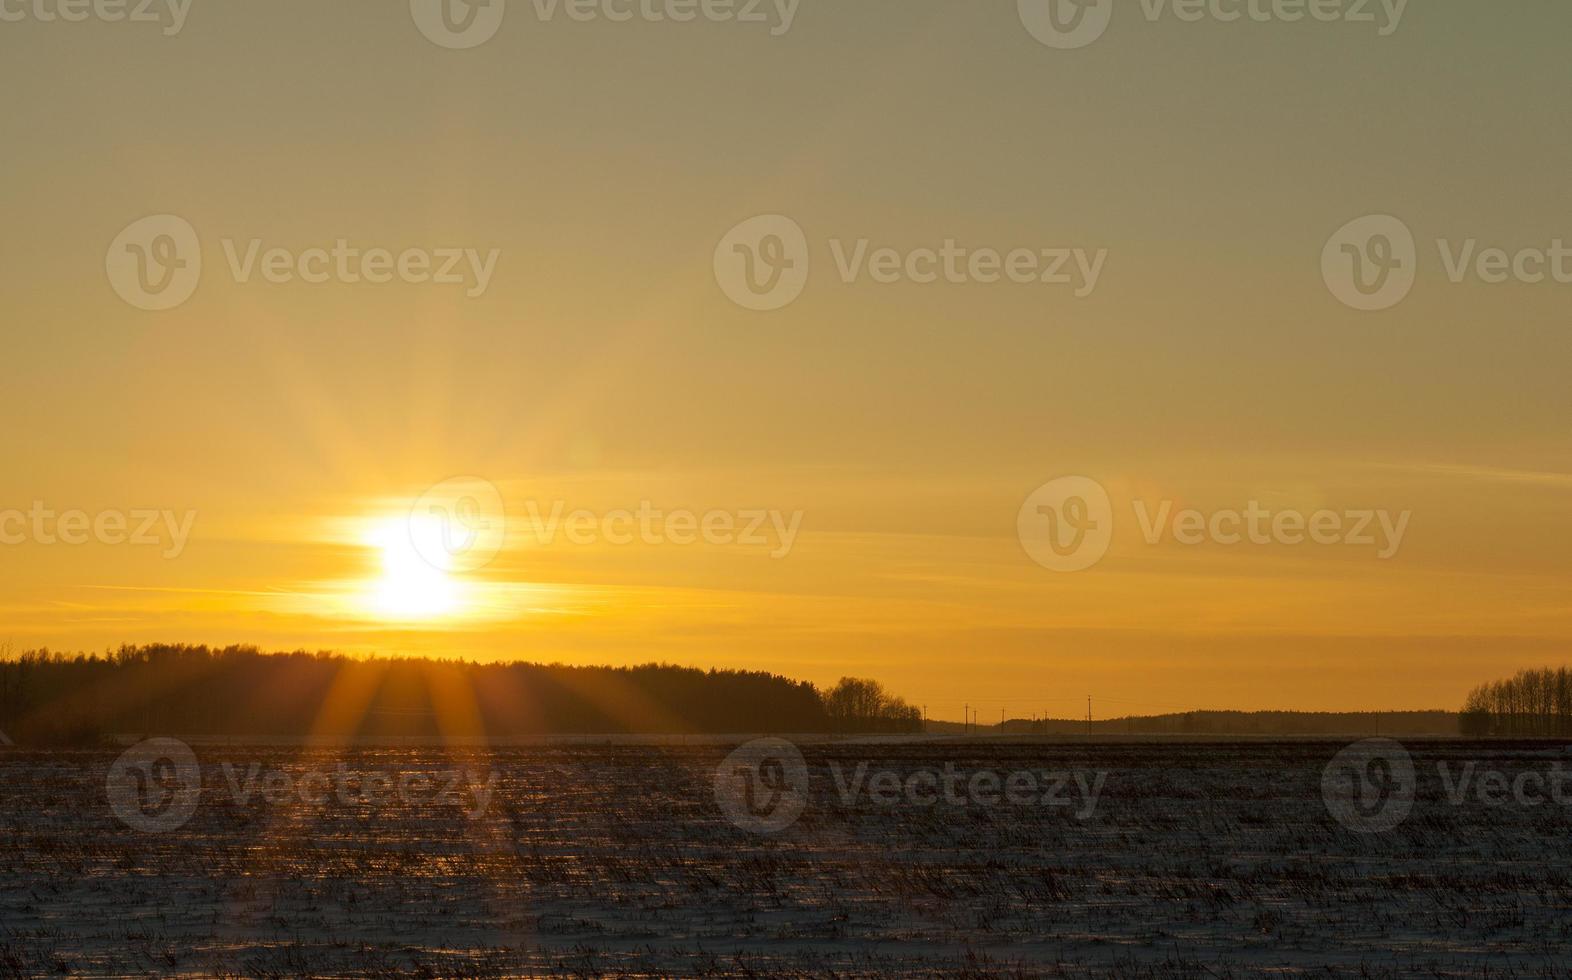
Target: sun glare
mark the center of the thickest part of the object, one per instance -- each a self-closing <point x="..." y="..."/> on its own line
<point x="411" y="587"/>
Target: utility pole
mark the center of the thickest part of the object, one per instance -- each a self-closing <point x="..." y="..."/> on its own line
<point x="1088" y="716"/>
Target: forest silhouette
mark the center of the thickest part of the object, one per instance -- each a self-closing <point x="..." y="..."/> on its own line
<point x="1532" y="702"/>
<point x="54" y="698"/>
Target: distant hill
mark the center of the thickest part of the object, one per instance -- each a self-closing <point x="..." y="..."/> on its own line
<point x="1231" y="723"/>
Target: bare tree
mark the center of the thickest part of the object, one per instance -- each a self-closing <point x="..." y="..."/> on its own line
<point x="1532" y="702"/>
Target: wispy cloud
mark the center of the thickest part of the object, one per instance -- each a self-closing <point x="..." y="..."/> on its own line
<point x="1487" y="474"/>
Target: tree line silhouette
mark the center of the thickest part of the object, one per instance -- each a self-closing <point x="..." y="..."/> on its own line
<point x="1532" y="702"/>
<point x="53" y="698"/>
<point x="865" y="706"/>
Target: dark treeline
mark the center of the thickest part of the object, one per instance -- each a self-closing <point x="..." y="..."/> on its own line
<point x="865" y="706"/>
<point x="52" y="698"/>
<point x="1534" y="702"/>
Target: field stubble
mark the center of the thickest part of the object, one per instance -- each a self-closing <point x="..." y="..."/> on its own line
<point x="1204" y="859"/>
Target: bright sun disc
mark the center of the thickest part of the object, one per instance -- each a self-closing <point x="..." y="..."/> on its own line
<point x="410" y="586"/>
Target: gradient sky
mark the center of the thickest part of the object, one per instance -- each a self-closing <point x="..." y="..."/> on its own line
<point x="907" y="422"/>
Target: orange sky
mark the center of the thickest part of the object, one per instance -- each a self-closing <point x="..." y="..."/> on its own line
<point x="894" y="431"/>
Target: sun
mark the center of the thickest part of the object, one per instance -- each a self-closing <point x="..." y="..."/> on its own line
<point x="411" y="587"/>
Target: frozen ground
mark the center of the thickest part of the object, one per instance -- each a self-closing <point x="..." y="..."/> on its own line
<point x="1199" y="859"/>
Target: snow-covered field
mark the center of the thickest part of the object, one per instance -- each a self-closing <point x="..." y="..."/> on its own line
<point x="1141" y="858"/>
